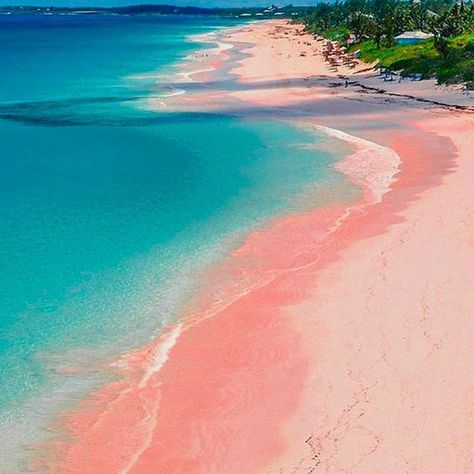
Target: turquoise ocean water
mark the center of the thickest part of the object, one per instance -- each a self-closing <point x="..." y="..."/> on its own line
<point x="108" y="210"/>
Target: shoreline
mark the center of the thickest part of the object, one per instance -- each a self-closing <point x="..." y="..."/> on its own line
<point x="291" y="328"/>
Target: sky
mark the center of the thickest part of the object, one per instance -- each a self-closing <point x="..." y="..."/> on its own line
<point x="105" y="3"/>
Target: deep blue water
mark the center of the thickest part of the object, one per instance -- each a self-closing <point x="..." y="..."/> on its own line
<point x="107" y="209"/>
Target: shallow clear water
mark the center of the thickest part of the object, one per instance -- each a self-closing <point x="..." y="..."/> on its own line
<point x="107" y="209"/>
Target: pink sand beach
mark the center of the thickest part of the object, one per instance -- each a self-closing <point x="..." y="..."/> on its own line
<point x="335" y="341"/>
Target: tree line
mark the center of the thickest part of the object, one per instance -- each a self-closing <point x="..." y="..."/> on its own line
<point x="382" y="20"/>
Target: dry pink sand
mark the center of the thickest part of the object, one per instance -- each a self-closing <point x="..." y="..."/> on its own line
<point x="276" y="54"/>
<point x="392" y="385"/>
<point x="334" y="341"/>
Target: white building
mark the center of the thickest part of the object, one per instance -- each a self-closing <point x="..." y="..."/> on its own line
<point x="412" y="37"/>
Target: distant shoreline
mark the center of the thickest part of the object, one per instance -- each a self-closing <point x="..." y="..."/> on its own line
<point x="255" y="13"/>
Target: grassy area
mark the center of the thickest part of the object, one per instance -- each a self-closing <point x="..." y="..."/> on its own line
<point x="423" y="58"/>
<point x="337" y="33"/>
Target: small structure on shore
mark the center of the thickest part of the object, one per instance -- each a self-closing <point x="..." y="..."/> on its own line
<point x="412" y="37"/>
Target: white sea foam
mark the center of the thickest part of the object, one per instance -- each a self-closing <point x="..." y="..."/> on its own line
<point x="221" y="46"/>
<point x="187" y="75"/>
<point x="174" y="93"/>
<point x="161" y="354"/>
<point x="372" y="165"/>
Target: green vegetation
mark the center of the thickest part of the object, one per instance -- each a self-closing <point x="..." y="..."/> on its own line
<point x="424" y="59"/>
<point x="339" y="33"/>
<point x="374" y="24"/>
